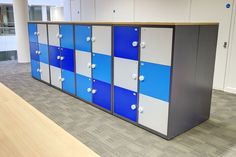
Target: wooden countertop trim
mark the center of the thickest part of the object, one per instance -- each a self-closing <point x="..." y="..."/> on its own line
<point x="131" y="23"/>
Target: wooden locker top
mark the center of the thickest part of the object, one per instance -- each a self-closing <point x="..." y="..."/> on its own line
<point x="130" y="23"/>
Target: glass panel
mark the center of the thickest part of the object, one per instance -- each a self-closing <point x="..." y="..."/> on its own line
<point x="35" y="13"/>
<point x="6" y="20"/>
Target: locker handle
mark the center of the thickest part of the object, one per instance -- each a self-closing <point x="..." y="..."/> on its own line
<point x="89" y="65"/>
<point x="142" y="44"/>
<point x="133" y="107"/>
<point x="88" y="39"/>
<point x="93" y="39"/>
<point x="59" y="36"/>
<point x="141" y="78"/>
<point x="39" y="52"/>
<point x="89" y="90"/>
<point x="58" y="57"/>
<point x="59" y="78"/>
<point x="62" y="79"/>
<point x="134" y="76"/>
<point x="140" y="109"/>
<point x="134" y="43"/>
<point x="38" y="70"/>
<point x="93" y="66"/>
<point x="61" y="58"/>
<point x="94" y="91"/>
<point x="35" y="33"/>
<point x="36" y="51"/>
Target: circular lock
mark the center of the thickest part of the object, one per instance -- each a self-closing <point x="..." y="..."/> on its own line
<point x="141" y="78"/>
<point x="88" y="39"/>
<point x="133" y="107"/>
<point x="134" y="43"/>
<point x="94" y="91"/>
<point x="89" y="90"/>
<point x="93" y="66"/>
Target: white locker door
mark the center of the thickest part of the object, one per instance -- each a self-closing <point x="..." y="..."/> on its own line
<point x="104" y="10"/>
<point x="42" y="37"/>
<point x="126" y="73"/>
<point x="156" y="45"/>
<point x="124" y="10"/>
<point x="153" y="113"/>
<point x="83" y="63"/>
<point x="87" y="10"/>
<point x="55" y="76"/>
<point x="216" y="11"/>
<point x="44" y="72"/>
<point x="53" y="32"/>
<point x="102" y="42"/>
<point x="75" y="10"/>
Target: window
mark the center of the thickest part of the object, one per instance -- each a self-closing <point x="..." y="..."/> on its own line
<point x="7" y="26"/>
<point x="35" y="13"/>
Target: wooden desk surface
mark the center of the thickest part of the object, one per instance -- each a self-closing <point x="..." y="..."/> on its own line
<point x="25" y="132"/>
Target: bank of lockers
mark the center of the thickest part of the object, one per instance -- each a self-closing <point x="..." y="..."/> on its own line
<point x="126" y="70"/>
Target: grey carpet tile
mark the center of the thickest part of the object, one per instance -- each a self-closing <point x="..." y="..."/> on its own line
<point x="110" y="136"/>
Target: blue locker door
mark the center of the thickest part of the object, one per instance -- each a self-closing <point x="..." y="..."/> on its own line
<point x="155" y="80"/>
<point x="33" y="50"/>
<point x="67" y="36"/>
<point x="68" y="81"/>
<point x="32" y="29"/>
<point x="83" y="38"/>
<point x="35" y="67"/>
<point x="126" y="40"/>
<point x="67" y="59"/>
<point x="43" y="57"/>
<point x="125" y="103"/>
<point x="84" y="87"/>
<point x="55" y="56"/>
<point x="102" y="94"/>
<point x="102" y="69"/>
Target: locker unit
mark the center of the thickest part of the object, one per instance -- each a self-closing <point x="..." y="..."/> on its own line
<point x="150" y="74"/>
<point x="39" y="51"/>
<point x="126" y="52"/>
<point x="93" y="64"/>
<point x="61" y="48"/>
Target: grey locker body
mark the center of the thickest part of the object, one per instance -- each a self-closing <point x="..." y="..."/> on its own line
<point x="192" y="77"/>
<point x="187" y="51"/>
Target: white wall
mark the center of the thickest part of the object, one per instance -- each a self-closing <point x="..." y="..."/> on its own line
<point x="162" y="10"/>
<point x="8" y="43"/>
<point x="230" y="82"/>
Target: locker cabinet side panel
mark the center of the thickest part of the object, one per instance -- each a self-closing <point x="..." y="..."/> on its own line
<point x="205" y="70"/>
<point x="183" y="95"/>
